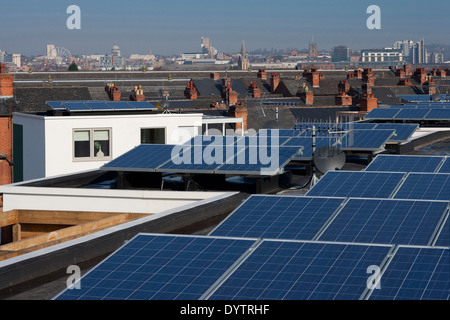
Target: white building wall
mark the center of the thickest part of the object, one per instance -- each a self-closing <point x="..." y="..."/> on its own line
<point x="33" y="145"/>
<point x="48" y="141"/>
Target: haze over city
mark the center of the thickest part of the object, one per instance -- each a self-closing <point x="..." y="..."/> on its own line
<point x="172" y="27"/>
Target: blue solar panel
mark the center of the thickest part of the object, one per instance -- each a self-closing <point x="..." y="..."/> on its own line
<point x="438" y="114"/>
<point x="99" y="106"/>
<point x="403" y="131"/>
<point x="279" y="217"/>
<point x="445" y="166"/>
<point x="416" y="274"/>
<point x="371" y="140"/>
<point x="428" y="186"/>
<point x="411" y="114"/>
<point x="402" y="163"/>
<point x="56" y="105"/>
<point x="146" y="157"/>
<point x="443" y="238"/>
<point x="302" y="271"/>
<point x="76" y="106"/>
<point x="259" y="160"/>
<point x="141" y="105"/>
<point x="356" y="184"/>
<point x="120" y="105"/>
<point x="382" y="114"/>
<point x="160" y="267"/>
<point x="386" y="221"/>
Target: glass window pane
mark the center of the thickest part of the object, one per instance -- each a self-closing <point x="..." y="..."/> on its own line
<point x="82" y="145"/>
<point x="153" y="136"/>
<point x="101" y="143"/>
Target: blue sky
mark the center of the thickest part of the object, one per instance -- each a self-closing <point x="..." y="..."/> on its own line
<point x="175" y="26"/>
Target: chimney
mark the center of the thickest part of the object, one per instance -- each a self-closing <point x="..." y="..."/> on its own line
<point x="313" y="76"/>
<point x="420" y="75"/>
<point x="350" y="75"/>
<point x="430" y="87"/>
<point x="137" y="94"/>
<point x="407" y="69"/>
<point x="254" y="90"/>
<point x="441" y="73"/>
<point x="368" y="102"/>
<point x="191" y="91"/>
<point x="368" y="76"/>
<point x="343" y="87"/>
<point x="215" y="76"/>
<point x="274" y="82"/>
<point x="262" y="74"/>
<point x="239" y="110"/>
<point x="306" y="94"/>
<point x="404" y="82"/>
<point x="357" y="73"/>
<point x="6" y="83"/>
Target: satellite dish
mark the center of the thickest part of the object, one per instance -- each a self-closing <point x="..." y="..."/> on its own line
<point x="329" y="159"/>
<point x="435" y="97"/>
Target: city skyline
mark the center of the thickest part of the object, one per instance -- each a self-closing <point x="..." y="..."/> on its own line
<point x="173" y="27"/>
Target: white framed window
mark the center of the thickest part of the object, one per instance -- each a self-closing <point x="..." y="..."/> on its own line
<point x="92" y="144"/>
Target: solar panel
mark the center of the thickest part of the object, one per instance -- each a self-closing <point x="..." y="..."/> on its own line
<point x="146" y="157"/>
<point x="443" y="238"/>
<point x="259" y="160"/>
<point x="199" y="158"/>
<point x="411" y="114"/>
<point x="160" y="267"/>
<point x="382" y="114"/>
<point x="367" y="140"/>
<point x="141" y="105"/>
<point x="438" y="114"/>
<point x="285" y="270"/>
<point x="445" y="168"/>
<point x="403" y="163"/>
<point x="76" y="107"/>
<point x="278" y="217"/>
<point x="56" y="105"/>
<point x="356" y="184"/>
<point x="427" y="186"/>
<point x="388" y="221"/>
<point x="403" y="131"/>
<point x="99" y="106"/>
<point x="415" y="273"/>
<point x="120" y="105"/>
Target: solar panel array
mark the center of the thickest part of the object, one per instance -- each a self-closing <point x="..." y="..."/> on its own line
<point x="99" y="105"/>
<point x="420" y="97"/>
<point x="362" y="245"/>
<point x="209" y="154"/>
<point x="414" y="113"/>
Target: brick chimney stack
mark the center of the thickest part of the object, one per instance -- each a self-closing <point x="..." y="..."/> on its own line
<point x="306" y="94"/>
<point x="113" y="91"/>
<point x="262" y="74"/>
<point x="368" y="76"/>
<point x="6" y="83"/>
<point x="430" y="87"/>
<point x="420" y="75"/>
<point x="137" y="94"/>
<point x="239" y="110"/>
<point x="254" y="90"/>
<point x="313" y="76"/>
<point x="274" y="82"/>
<point x="368" y="101"/>
<point x="191" y="91"/>
<point x="342" y="99"/>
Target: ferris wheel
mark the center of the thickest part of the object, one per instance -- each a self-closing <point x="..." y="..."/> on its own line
<point x="63" y="53"/>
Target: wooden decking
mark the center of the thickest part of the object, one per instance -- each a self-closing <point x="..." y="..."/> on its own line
<point x="33" y="230"/>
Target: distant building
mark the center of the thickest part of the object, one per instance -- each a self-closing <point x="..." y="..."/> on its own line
<point x="243" y="63"/>
<point x="313" y="50"/>
<point x="387" y="55"/>
<point x="340" y="54"/>
<point x="51" y="51"/>
<point x="115" y="51"/>
<point x="404" y="45"/>
<point x="437" y="58"/>
<point x="418" y="53"/>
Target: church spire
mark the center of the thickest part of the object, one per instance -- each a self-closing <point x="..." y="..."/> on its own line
<point x="243" y="52"/>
